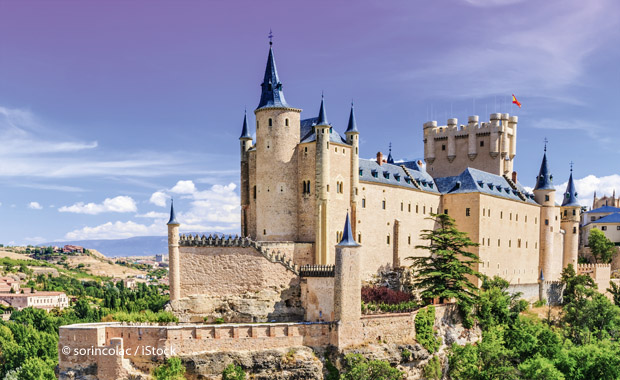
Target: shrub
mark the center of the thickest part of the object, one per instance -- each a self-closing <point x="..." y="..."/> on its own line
<point x="382" y="294"/>
<point x="540" y="303"/>
<point x="425" y="335"/>
<point x="406" y="355"/>
<point x="172" y="369"/>
<point x="358" y="367"/>
<point x="233" y="372"/>
<point x="432" y="369"/>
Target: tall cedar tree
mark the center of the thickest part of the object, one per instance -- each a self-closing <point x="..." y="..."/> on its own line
<point x="444" y="273"/>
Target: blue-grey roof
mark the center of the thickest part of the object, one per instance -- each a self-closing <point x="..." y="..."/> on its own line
<point x="245" y="133"/>
<point x="307" y="134"/>
<point x="348" y="240"/>
<point x="604" y="209"/>
<point x="570" y="195"/>
<point x="271" y="88"/>
<point x="322" y="119"/>
<point x="173" y="217"/>
<point x="393" y="174"/>
<point x="544" y="181"/>
<point x="352" y="126"/>
<point x="611" y="218"/>
<point x="477" y="181"/>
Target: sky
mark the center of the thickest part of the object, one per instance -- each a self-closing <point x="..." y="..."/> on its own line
<point x="109" y="109"/>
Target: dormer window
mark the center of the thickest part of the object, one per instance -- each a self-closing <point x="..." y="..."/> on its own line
<point x="375" y="173"/>
<point x="397" y="177"/>
<point x="361" y="172"/>
<point x="386" y="174"/>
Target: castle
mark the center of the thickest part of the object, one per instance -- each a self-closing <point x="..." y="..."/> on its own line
<point x="300" y="178"/>
<point x="297" y="270"/>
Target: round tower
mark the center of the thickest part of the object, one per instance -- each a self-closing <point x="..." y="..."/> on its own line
<point x="352" y="135"/>
<point x="571" y="213"/>
<point x="277" y="136"/>
<point x="173" y="256"/>
<point x="245" y="142"/>
<point x="544" y="195"/>
<point x="322" y="131"/>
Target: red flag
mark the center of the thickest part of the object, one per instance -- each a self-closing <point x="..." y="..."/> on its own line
<point x="515" y="101"/>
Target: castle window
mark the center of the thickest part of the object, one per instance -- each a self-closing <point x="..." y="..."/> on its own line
<point x="509" y="243"/>
<point x="604" y="228"/>
<point x="383" y="204"/>
<point x="417" y="209"/>
<point x="574" y="212"/>
<point x="361" y="172"/>
<point x="535" y="220"/>
<point x="254" y="191"/>
<point x="481" y="142"/>
<point x="359" y="238"/>
<point x="546" y="222"/>
<point x="467" y="212"/>
<point x="286" y="122"/>
<point x="306" y="150"/>
<point x="375" y="173"/>
<point x="575" y="229"/>
<point x="501" y="215"/>
<point x="445" y="211"/>
<point x="510" y="216"/>
<point x="363" y="202"/>
<point x="431" y="210"/>
<point x="546" y="198"/>
<point x="519" y="243"/>
<point x="488" y="243"/>
<point x="617" y="228"/>
<point x="499" y="243"/>
<point x="526" y="244"/>
<point x="409" y="239"/>
<point x="256" y="124"/>
<point x="409" y="207"/>
<point x="484" y="212"/>
<point x="526" y="219"/>
<point x="270" y="122"/>
<point x="388" y="239"/>
<point x="328" y="188"/>
<point x="336" y="149"/>
<point x="424" y="210"/>
<point x="565" y="212"/>
<point x="264" y="232"/>
<point x="443" y="147"/>
<point x="592" y="219"/>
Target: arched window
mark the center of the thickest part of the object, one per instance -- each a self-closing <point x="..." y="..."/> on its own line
<point x="286" y="122"/>
<point x="254" y="191"/>
<point x="270" y="122"/>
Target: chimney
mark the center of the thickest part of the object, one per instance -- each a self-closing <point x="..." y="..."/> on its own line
<point x="379" y="158"/>
<point x="514" y="177"/>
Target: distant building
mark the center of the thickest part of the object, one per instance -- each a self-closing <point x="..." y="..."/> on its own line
<point x="159" y="258"/>
<point x="130" y="283"/>
<point x="72" y="249"/>
<point x="8" y="283"/>
<point x="605" y="201"/>
<point x="38" y="300"/>
<point x="604" y="218"/>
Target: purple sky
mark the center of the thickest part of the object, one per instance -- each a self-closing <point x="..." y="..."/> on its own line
<point x="108" y="108"/>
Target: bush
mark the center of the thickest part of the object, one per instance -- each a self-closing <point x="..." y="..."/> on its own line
<point x="358" y="367"/>
<point x="432" y="369"/>
<point x="144" y="316"/>
<point x="425" y="334"/>
<point x="233" y="372"/>
<point x="171" y="370"/>
<point x="382" y="294"/>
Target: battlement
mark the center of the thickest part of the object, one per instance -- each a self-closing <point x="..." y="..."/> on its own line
<point x="583" y="268"/>
<point x="489" y="146"/>
<point x="317" y="271"/>
<point x="274" y="256"/>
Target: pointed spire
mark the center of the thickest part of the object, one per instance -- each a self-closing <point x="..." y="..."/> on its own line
<point x="544" y="181"/>
<point x="541" y="278"/>
<point x="322" y="120"/>
<point x="245" y="133"/>
<point x="570" y="195"/>
<point x="173" y="217"/>
<point x="348" y="240"/>
<point x="271" y="94"/>
<point x="352" y="127"/>
<point x="390" y="159"/>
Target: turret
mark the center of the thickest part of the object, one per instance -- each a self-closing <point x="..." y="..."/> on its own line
<point x="390" y="159"/>
<point x="352" y="135"/>
<point x="245" y="141"/>
<point x="570" y="211"/>
<point x="347" y="281"/>
<point x="544" y="195"/>
<point x="173" y="256"/>
<point x="322" y="131"/>
<point x="277" y="136"/>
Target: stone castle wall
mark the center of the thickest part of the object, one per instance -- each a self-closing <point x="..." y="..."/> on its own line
<point x="600" y="273"/>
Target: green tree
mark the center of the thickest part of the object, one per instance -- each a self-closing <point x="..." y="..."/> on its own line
<point x="602" y="248"/>
<point x="358" y="367"/>
<point x="539" y="368"/>
<point x="574" y="283"/>
<point x="233" y="372"/>
<point x="447" y="271"/>
<point x="172" y="369"/>
<point x="614" y="290"/>
<point x="35" y="369"/>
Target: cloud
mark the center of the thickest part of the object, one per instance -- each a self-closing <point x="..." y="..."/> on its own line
<point x="117" y="230"/>
<point x="34" y="206"/>
<point x="122" y="203"/>
<point x="586" y="187"/>
<point x="153" y="215"/>
<point x="184" y="187"/>
<point x="159" y="198"/>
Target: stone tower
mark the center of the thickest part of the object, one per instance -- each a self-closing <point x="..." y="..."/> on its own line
<point x="347" y="281"/>
<point x="490" y="147"/>
<point x="544" y="195"/>
<point x="173" y="256"/>
<point x="352" y="135"/>
<point x="245" y="141"/>
<point x="322" y="131"/>
<point x="571" y="213"/>
<point x="277" y="136"/>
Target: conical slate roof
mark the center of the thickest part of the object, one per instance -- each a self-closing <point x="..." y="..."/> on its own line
<point x="352" y="127"/>
<point x="570" y="196"/>
<point x="271" y="93"/>
<point x="347" y="235"/>
<point x="245" y="133"/>
<point x="173" y="217"/>
<point x="544" y="181"/>
<point x="322" y="119"/>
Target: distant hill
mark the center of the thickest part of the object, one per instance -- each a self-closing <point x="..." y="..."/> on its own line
<point x="135" y="246"/>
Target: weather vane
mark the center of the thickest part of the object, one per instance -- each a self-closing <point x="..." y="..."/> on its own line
<point x="546" y="141"/>
<point x="571" y="166"/>
<point x="390" y="147"/>
<point x="270" y="37"/>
